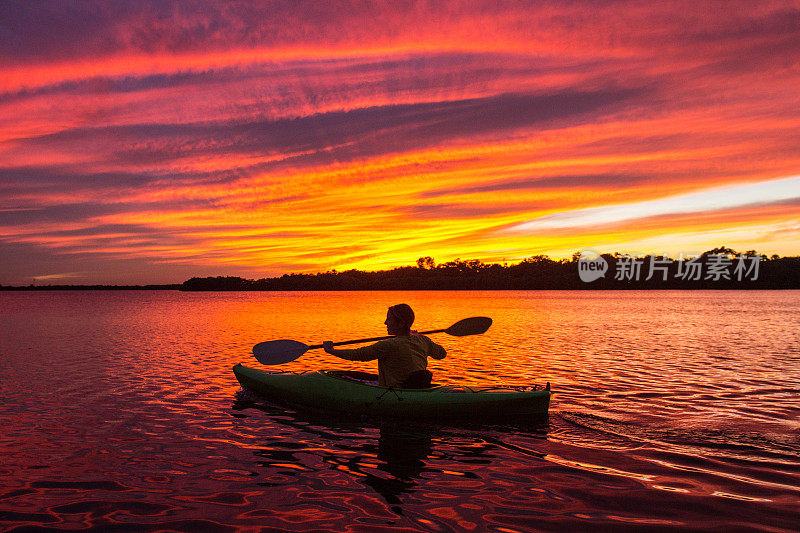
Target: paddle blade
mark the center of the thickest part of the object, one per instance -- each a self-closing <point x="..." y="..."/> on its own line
<point x="469" y="326"/>
<point x="278" y="352"/>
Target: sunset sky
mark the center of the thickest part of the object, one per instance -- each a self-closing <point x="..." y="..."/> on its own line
<point x="151" y="141"/>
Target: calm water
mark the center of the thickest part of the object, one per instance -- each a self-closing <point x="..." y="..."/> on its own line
<point x="119" y="411"/>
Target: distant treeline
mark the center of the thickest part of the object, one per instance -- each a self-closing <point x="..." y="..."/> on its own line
<point x="720" y="268"/>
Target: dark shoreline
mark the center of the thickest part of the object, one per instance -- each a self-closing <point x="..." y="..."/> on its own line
<point x="535" y="273"/>
<point x="782" y="274"/>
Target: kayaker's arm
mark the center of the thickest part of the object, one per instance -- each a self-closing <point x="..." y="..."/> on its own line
<point x="435" y="350"/>
<point x="365" y="353"/>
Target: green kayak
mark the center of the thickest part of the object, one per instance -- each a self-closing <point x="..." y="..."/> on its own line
<point x="358" y="393"/>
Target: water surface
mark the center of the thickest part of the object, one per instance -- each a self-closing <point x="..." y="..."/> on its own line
<point x="674" y="409"/>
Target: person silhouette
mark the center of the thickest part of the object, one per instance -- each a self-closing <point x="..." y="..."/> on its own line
<point x="403" y="359"/>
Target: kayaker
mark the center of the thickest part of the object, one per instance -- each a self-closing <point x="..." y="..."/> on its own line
<point x="399" y="357"/>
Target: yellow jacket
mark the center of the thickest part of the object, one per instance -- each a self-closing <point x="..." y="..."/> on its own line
<point x="397" y="357"/>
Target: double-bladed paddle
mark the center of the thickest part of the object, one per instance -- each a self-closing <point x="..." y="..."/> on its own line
<point x="285" y="350"/>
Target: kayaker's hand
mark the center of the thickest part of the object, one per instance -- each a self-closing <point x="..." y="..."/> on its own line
<point x="328" y="346"/>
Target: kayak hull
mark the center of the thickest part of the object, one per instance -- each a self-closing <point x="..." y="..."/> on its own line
<point x="333" y="391"/>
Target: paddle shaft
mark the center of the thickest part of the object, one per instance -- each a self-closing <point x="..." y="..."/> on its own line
<point x="374" y="339"/>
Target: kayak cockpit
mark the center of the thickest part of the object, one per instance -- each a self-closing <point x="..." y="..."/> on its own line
<point x="354" y="375"/>
<point x="419" y="380"/>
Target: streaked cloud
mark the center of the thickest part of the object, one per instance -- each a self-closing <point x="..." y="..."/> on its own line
<point x="150" y="141"/>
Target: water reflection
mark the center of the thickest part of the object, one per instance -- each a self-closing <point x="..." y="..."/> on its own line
<point x="388" y="456"/>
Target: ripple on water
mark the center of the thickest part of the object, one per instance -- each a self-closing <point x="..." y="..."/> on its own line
<point x="120" y="411"/>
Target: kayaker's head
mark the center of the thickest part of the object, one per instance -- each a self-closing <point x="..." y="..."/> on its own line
<point x="399" y="319"/>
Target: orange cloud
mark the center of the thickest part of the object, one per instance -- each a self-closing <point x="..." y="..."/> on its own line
<point x="251" y="142"/>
